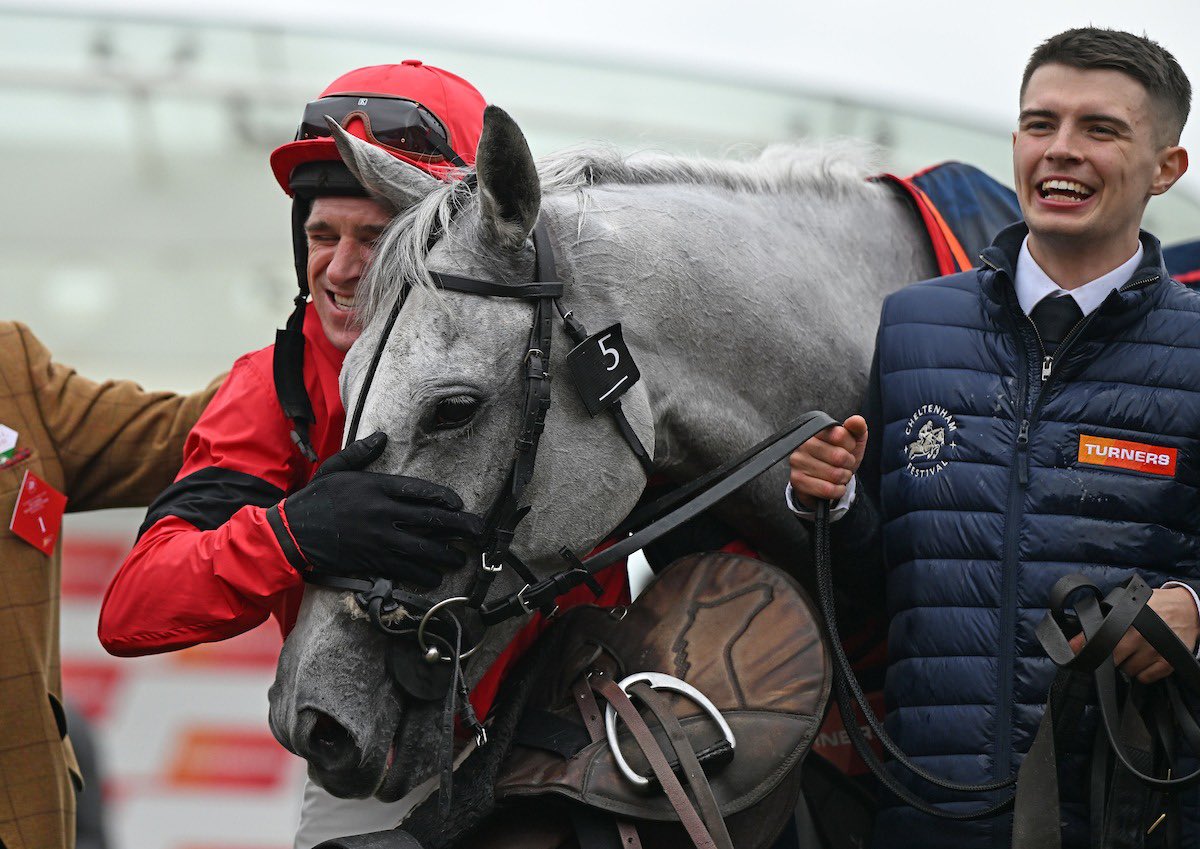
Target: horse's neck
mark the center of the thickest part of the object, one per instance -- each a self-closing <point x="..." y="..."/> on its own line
<point x="742" y="311"/>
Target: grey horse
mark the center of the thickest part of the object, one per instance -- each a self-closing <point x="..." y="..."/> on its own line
<point x="747" y="291"/>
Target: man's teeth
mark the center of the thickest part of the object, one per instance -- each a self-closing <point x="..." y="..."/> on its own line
<point x="343" y="302"/>
<point x="1065" y="190"/>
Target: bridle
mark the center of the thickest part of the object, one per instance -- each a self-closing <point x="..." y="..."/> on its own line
<point x="439" y="631"/>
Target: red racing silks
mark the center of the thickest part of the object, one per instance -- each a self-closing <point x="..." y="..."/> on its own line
<point x="1122" y="454"/>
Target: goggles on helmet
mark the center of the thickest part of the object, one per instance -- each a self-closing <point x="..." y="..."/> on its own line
<point x="394" y="123"/>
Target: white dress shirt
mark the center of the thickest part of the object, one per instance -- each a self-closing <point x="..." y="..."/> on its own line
<point x="1033" y="284"/>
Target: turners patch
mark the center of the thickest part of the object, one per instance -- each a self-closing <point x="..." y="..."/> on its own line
<point x="1122" y="454"/>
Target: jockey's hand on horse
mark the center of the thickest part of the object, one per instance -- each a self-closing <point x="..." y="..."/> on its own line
<point x="823" y="465"/>
<point x="367" y="524"/>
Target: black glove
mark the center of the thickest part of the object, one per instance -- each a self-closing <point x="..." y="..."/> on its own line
<point x="366" y="524"/>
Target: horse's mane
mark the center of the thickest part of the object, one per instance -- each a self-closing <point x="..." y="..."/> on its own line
<point x="830" y="170"/>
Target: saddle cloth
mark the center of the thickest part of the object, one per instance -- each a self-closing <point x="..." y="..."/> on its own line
<point x="962" y="209"/>
<point x="1183" y="261"/>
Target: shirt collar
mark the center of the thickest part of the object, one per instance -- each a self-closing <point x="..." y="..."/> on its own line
<point x="1033" y="284"/>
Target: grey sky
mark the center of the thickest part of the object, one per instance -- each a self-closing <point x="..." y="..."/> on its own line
<point x="965" y="57"/>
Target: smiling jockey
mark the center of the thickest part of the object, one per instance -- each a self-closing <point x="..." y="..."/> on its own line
<point x="223" y="547"/>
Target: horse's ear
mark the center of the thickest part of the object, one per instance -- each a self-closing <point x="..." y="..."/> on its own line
<point x="509" y="190"/>
<point x="393" y="182"/>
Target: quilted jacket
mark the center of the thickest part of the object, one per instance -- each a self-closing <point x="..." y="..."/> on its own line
<point x="996" y="473"/>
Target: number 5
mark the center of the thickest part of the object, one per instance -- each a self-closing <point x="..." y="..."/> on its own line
<point x="609" y="351"/>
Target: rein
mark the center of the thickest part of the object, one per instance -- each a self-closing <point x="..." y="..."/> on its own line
<point x="1131" y="756"/>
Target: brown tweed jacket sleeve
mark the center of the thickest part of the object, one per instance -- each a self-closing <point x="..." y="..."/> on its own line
<point x="119" y="445"/>
<point x="105" y="444"/>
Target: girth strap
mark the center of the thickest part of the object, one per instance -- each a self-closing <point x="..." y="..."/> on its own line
<point x="590" y="711"/>
<point x="688" y="816"/>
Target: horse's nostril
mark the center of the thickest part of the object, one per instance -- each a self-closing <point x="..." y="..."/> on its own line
<point x="327" y="744"/>
<point x="329" y="735"/>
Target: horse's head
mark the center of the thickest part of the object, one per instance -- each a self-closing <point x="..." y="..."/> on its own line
<point x="449" y="390"/>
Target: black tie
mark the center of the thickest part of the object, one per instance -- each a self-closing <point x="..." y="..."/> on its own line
<point x="1054" y="317"/>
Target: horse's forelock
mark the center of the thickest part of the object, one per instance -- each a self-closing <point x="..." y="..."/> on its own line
<point x="832" y="169"/>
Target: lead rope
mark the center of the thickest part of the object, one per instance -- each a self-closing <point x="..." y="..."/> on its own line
<point x="1037" y="818"/>
<point x="850" y="695"/>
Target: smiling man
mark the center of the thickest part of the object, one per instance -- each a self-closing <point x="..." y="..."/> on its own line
<point x="224" y="547"/>
<point x="1034" y="417"/>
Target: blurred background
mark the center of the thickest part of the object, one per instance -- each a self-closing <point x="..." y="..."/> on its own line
<point x="143" y="235"/>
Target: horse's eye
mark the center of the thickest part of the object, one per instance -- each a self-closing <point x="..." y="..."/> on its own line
<point x="454" y="412"/>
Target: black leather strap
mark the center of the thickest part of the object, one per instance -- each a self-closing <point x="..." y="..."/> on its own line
<point x="1139" y="724"/>
<point x="719" y="484"/>
<point x="537" y="289"/>
<point x="851" y="696"/>
<point x="362" y="392"/>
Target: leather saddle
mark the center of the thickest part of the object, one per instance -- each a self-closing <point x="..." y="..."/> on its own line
<point x="679" y="720"/>
<point x="725" y="658"/>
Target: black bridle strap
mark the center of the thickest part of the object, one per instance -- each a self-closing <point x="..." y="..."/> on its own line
<point x="454" y="283"/>
<point x="362" y="393"/>
<point x="721" y="483"/>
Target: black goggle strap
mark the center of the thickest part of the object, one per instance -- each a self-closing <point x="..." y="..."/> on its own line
<point x="287" y="363"/>
<point x="440" y="145"/>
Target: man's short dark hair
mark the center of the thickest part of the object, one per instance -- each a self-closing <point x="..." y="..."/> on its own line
<point x="1092" y="48"/>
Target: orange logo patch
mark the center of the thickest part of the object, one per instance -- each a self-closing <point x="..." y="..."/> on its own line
<point x="1120" y="454"/>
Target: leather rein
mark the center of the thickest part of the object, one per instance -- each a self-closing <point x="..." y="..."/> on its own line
<point x="1124" y="763"/>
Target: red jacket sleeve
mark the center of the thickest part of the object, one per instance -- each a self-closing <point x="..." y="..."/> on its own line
<point x="206" y="565"/>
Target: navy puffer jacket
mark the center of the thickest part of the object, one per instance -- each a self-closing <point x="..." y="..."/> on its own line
<point x="993" y="483"/>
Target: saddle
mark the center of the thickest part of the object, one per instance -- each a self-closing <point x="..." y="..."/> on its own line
<point x="715" y="679"/>
<point x="725" y="658"/>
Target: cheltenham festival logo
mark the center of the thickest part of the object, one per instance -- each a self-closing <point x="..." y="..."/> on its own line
<point x="931" y="430"/>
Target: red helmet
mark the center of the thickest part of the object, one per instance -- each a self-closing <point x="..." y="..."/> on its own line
<point x="423" y="115"/>
<point x="416" y="112"/>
